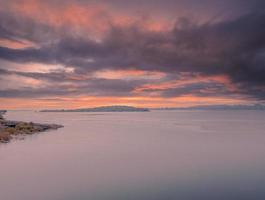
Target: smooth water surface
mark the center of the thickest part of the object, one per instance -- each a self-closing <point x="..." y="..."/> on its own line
<point x="128" y="156"/>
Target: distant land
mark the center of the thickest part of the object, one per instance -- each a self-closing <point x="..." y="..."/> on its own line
<point x="103" y="109"/>
<point x="218" y="107"/>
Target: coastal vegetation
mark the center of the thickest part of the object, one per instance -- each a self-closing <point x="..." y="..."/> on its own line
<point x="10" y="129"/>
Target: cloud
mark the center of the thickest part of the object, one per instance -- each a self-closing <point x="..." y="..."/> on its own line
<point x="232" y="47"/>
<point x="62" y="84"/>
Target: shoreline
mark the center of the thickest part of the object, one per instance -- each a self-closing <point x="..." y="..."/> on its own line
<point x="10" y="129"/>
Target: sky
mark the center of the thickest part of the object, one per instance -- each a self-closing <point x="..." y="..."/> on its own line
<point x="145" y="53"/>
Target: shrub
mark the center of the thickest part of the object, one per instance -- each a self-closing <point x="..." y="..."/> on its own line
<point x="10" y="130"/>
<point x="5" y="137"/>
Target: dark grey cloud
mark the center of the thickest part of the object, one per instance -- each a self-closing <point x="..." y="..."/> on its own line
<point x="16" y="27"/>
<point x="208" y="48"/>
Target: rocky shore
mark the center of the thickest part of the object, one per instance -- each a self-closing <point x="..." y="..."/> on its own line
<point x="10" y="129"/>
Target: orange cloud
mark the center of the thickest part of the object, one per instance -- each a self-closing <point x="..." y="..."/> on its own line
<point x="188" y="80"/>
<point x="129" y="74"/>
<point x="86" y="19"/>
<point x="11" y="82"/>
<point x="12" y="44"/>
<point x="82" y="18"/>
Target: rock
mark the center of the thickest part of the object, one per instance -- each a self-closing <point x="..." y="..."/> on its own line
<point x="2" y="127"/>
<point x="2" y="112"/>
<point x="9" y="123"/>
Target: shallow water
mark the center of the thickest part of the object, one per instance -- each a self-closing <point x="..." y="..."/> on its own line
<point x="151" y="155"/>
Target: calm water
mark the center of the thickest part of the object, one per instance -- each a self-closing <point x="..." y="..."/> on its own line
<point x="160" y="155"/>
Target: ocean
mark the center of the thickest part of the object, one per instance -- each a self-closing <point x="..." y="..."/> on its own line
<point x="157" y="155"/>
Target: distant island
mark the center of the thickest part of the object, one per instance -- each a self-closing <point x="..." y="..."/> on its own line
<point x="10" y="129"/>
<point x="218" y="107"/>
<point x="103" y="109"/>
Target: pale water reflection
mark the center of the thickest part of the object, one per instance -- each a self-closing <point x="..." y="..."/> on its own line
<point x="154" y="155"/>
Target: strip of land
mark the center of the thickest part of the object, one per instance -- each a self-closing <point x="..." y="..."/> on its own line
<point x="10" y="129"/>
<point x="218" y="107"/>
<point x="103" y="109"/>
